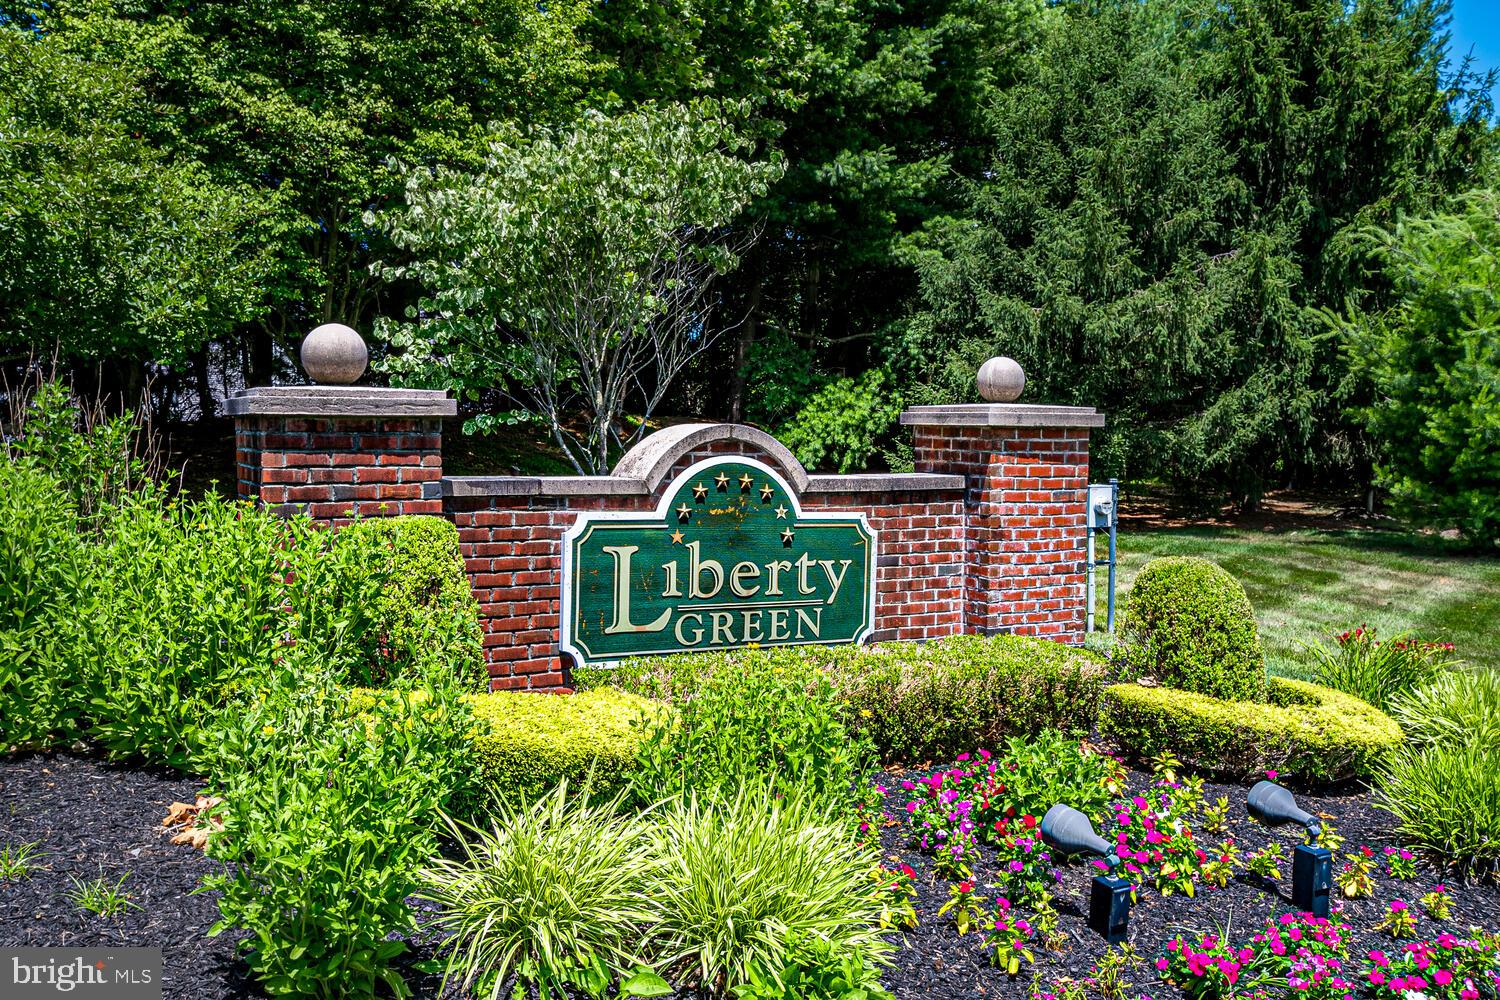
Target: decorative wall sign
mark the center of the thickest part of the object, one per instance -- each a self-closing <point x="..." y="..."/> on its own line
<point x="728" y="560"/>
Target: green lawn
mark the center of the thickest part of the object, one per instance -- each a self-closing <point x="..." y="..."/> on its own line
<point x="1306" y="585"/>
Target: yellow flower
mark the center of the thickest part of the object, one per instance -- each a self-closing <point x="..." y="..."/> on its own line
<point x="268" y="730"/>
<point x="865" y="713"/>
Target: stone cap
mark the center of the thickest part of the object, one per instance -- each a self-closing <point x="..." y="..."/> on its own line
<point x="339" y="401"/>
<point x="545" y="486"/>
<point x="883" y="482"/>
<point x="654" y="457"/>
<point x="1002" y="415"/>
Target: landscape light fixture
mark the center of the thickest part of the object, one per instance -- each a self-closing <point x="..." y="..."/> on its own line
<point x="1312" y="864"/>
<point x="1070" y="831"/>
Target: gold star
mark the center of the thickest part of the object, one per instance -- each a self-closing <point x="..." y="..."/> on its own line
<point x="766" y="492"/>
<point x="722" y="480"/>
<point x="684" y="512"/>
<point x="700" y="492"/>
<point x="745" y="483"/>
<point x="781" y="512"/>
<point x="786" y="537"/>
<point x="677" y="538"/>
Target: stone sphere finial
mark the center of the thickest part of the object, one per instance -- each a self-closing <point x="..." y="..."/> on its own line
<point x="1001" y="380"/>
<point x="334" y="354"/>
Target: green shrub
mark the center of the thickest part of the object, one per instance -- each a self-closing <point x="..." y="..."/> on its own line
<point x="549" y="893"/>
<point x="1188" y="624"/>
<point x="198" y="601"/>
<point x="915" y="702"/>
<point x="1461" y="706"/>
<point x="328" y="812"/>
<point x="1304" y="732"/>
<point x="527" y="742"/>
<point x="1043" y="770"/>
<point x="1445" y="798"/>
<point x="932" y="701"/>
<point x="95" y="458"/>
<point x="43" y="575"/>
<point x="815" y="969"/>
<point x="841" y="425"/>
<point x="777" y="716"/>
<point x="1377" y="672"/>
<point x="195" y="601"/>
<point x="422" y="614"/>
<point x="734" y="879"/>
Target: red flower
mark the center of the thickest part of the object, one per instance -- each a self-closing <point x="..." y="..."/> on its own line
<point x="1028" y="821"/>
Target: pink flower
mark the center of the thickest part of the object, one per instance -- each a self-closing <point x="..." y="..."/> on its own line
<point x="1271" y="775"/>
<point x="1161" y="963"/>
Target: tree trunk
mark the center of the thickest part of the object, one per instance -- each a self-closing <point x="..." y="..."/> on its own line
<point x="201" y="382"/>
<point x="262" y="352"/>
<point x="744" y="340"/>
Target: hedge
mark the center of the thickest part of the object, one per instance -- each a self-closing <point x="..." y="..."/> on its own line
<point x="917" y="702"/>
<point x="528" y="741"/>
<point x="424" y="614"/>
<point x="1305" y="732"/>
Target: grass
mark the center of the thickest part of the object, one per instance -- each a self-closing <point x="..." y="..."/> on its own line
<point x="1307" y="585"/>
<point x="17" y="860"/>
<point x="100" y="897"/>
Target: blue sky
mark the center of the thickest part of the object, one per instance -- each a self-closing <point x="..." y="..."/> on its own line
<point x="1476" y="25"/>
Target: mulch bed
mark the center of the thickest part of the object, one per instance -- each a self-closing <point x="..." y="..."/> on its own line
<point x="92" y="818"/>
<point x="935" y="963"/>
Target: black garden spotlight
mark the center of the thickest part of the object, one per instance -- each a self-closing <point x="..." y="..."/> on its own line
<point x="1070" y="831"/>
<point x="1312" y="864"/>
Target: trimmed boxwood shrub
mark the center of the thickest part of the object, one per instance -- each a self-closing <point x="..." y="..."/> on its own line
<point x="1311" y="733"/>
<point x="916" y="702"/>
<point x="1189" y="624"/>
<point x="528" y="741"/>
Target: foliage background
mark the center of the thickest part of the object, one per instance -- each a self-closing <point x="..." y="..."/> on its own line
<point x="1155" y="206"/>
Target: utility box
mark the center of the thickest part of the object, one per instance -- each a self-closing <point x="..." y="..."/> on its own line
<point x="1103" y="498"/>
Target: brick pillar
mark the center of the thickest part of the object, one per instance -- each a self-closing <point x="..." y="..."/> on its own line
<point x="336" y="451"/>
<point x="1026" y="470"/>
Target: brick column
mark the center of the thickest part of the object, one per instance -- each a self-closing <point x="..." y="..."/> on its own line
<point x="335" y="451"/>
<point x="1026" y="470"/>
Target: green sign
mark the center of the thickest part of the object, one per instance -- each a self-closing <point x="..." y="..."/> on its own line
<point x="728" y="560"/>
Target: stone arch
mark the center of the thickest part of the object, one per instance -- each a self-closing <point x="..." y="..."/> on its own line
<point x="658" y="457"/>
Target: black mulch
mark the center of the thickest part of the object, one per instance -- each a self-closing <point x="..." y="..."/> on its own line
<point x="94" y="819"/>
<point x="935" y="963"/>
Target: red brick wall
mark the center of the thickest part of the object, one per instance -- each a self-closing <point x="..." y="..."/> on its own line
<point x="1004" y="555"/>
<point x="512" y="550"/>
<point x="919" y="574"/>
<point x="333" y="469"/>
<point x="1027" y="506"/>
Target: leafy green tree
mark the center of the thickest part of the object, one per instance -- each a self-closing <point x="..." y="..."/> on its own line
<point x="1170" y="201"/>
<point x="842" y="423"/>
<point x="308" y="100"/>
<point x="1432" y="359"/>
<point x="874" y="105"/>
<point x="110" y="250"/>
<point x="1101" y="251"/>
<point x="575" y="273"/>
